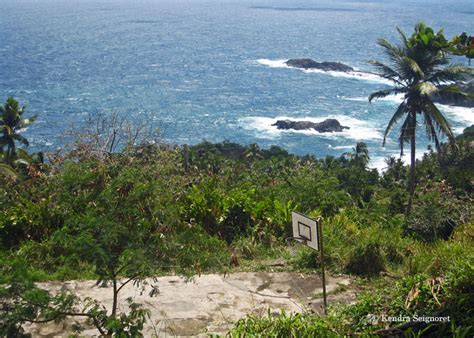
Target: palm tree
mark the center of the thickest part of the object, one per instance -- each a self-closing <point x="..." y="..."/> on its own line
<point x="11" y="122"/>
<point x="419" y="68"/>
<point x="360" y="155"/>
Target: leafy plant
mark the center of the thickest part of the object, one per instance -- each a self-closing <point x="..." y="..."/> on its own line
<point x="436" y="213"/>
<point x="282" y="325"/>
<point x="366" y="259"/>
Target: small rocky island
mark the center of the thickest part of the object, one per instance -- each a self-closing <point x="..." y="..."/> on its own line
<point x="465" y="87"/>
<point x="326" y="66"/>
<point x="326" y="126"/>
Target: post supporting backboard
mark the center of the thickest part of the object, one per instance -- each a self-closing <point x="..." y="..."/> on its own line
<point x="309" y="231"/>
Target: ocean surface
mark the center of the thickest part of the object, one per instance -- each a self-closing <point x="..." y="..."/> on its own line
<point x="213" y="69"/>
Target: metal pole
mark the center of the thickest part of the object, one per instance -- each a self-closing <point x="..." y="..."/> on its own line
<point x="320" y="226"/>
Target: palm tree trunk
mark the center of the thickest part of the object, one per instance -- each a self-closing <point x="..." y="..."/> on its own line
<point x="412" y="171"/>
<point x="11" y="152"/>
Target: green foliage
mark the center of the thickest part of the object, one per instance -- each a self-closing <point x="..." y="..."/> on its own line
<point x="359" y="155"/>
<point x="192" y="250"/>
<point x="28" y="211"/>
<point x="425" y="37"/>
<point x="307" y="258"/>
<point x="455" y="165"/>
<point x="463" y="44"/>
<point x="136" y="214"/>
<point x="450" y="295"/>
<point x="314" y="189"/>
<point x="23" y="302"/>
<point x="234" y="212"/>
<point x="417" y="68"/>
<point x="358" y="315"/>
<point x="436" y="212"/>
<point x="366" y="259"/>
<point x="11" y="122"/>
<point x="440" y="286"/>
<point x="15" y="162"/>
<point x="8" y="171"/>
<point x="282" y="325"/>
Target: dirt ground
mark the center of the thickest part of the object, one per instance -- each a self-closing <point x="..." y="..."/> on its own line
<point x="209" y="303"/>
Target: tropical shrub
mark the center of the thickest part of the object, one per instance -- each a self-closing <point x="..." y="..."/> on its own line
<point x="437" y="212"/>
<point x="282" y="325"/>
<point x="366" y="259"/>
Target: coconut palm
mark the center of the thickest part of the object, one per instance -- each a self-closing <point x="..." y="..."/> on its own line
<point x="419" y="69"/>
<point x="360" y="155"/>
<point x="11" y="122"/>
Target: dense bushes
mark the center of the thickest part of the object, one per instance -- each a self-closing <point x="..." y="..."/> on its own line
<point x="437" y="212"/>
<point x="145" y="211"/>
<point x="366" y="259"/>
<point x="281" y="326"/>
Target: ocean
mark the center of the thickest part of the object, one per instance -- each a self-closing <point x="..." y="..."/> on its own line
<point x="213" y="69"/>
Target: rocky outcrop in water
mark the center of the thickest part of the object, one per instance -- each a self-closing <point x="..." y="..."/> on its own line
<point x="327" y="126"/>
<point x="466" y="87"/>
<point x="326" y="66"/>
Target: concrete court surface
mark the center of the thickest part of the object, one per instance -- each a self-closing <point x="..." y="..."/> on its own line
<point x="208" y="303"/>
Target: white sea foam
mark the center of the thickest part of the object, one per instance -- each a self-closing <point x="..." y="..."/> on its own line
<point x="273" y="63"/>
<point x="380" y="164"/>
<point x="357" y="99"/>
<point x="370" y="77"/>
<point x="398" y="98"/>
<point x="340" y="147"/>
<point x="463" y="115"/>
<point x="359" y="130"/>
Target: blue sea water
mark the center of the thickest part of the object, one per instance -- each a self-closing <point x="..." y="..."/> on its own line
<point x="212" y="69"/>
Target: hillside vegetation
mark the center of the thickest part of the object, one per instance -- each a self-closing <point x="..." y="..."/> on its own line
<point x="139" y="213"/>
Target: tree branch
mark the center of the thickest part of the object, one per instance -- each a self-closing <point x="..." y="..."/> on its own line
<point x="126" y="282"/>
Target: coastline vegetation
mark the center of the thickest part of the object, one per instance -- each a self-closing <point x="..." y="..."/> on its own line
<point x="419" y="69"/>
<point x="150" y="209"/>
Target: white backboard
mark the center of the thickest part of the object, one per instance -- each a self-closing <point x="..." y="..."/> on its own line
<point x="305" y="229"/>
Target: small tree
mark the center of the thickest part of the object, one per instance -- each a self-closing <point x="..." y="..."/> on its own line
<point x="113" y="229"/>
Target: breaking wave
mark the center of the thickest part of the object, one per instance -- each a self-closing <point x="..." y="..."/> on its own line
<point x="359" y="130"/>
<point x="358" y="75"/>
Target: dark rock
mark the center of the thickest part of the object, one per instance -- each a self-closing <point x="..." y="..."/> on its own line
<point x="327" y="126"/>
<point x="466" y="87"/>
<point x="326" y="66"/>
